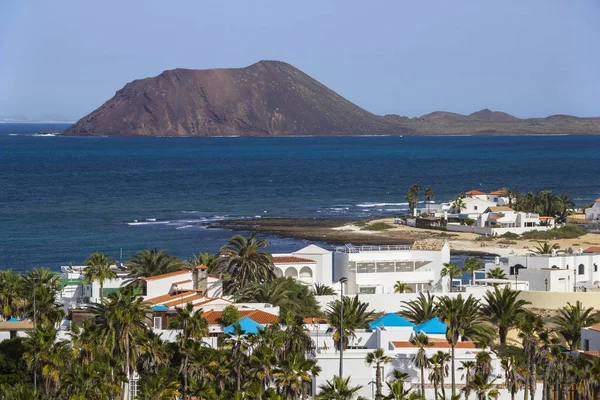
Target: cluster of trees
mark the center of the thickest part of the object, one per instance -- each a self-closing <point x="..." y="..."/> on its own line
<point x="412" y="196"/>
<point x="536" y="354"/>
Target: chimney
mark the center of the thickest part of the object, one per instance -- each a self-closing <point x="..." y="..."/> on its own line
<point x="199" y="279"/>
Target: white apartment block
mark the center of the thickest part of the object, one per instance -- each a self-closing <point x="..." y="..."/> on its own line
<point x="375" y="269"/>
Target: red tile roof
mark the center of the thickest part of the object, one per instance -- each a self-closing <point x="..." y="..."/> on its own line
<point x="593" y="249"/>
<point x="498" y="192"/>
<point x="167" y="275"/>
<point x="474" y="192"/>
<point x="201" y="266"/>
<point x="182" y="282"/>
<point x="314" y="320"/>
<point x="595" y="327"/>
<point x="290" y="259"/>
<point x="438" y="345"/>
<point x="598" y="200"/>
<point x="546" y="217"/>
<point x="591" y="354"/>
<point x="261" y="317"/>
<point x="167" y="297"/>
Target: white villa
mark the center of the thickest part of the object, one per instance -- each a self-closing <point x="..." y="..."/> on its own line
<point x="498" y="220"/>
<point x="375" y="269"/>
<point x="557" y="272"/>
<point x="593" y="213"/>
<point x="310" y="265"/>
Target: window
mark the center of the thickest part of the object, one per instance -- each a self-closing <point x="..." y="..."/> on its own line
<point x="595" y="267"/>
<point x="157" y="322"/>
<point x="581" y="269"/>
<point x="586" y="344"/>
<point x="475" y="208"/>
<point x="366" y="290"/>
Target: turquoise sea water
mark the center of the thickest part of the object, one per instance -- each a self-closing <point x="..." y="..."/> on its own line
<point x="62" y="198"/>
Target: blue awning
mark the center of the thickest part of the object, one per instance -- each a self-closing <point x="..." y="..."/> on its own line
<point x="433" y="326"/>
<point x="159" y="307"/>
<point x="248" y="326"/>
<point x="390" y="320"/>
<point x="13" y="319"/>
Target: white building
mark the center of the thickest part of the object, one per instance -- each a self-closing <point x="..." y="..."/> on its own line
<point x="309" y="265"/>
<point x="558" y="272"/>
<point x="392" y="334"/>
<point x="593" y="213"/>
<point x="590" y="338"/>
<point x="498" y="220"/>
<point x="375" y="269"/>
<point x="474" y="204"/>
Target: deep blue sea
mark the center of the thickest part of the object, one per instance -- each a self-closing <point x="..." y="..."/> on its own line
<point x="62" y="198"/>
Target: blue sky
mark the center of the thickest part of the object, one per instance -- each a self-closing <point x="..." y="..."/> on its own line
<point x="534" y="58"/>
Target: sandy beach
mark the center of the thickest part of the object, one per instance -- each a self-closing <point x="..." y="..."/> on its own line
<point x="339" y="231"/>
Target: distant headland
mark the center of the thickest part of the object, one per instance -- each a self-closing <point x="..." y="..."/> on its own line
<point x="272" y="98"/>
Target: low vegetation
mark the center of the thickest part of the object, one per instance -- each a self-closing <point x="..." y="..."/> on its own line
<point x="379" y="226"/>
<point x="564" y="232"/>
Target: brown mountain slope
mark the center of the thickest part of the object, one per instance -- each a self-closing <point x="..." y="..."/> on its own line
<point x="272" y="98"/>
<point x="268" y="98"/>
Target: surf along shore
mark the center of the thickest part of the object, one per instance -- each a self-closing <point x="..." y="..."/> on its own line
<point x="384" y="231"/>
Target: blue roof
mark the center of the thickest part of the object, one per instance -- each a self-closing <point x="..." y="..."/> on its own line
<point x="248" y="326"/>
<point x="390" y="319"/>
<point x="13" y="319"/>
<point x="433" y="326"/>
<point x="160" y="307"/>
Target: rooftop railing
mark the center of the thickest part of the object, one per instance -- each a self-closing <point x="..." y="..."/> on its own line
<point x="359" y="249"/>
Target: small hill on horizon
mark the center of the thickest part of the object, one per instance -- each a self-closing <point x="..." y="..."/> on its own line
<point x="273" y="98"/>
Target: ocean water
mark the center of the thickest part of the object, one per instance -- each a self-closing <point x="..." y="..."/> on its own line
<point x="62" y="198"/>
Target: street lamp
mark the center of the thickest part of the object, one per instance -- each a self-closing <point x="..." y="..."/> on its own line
<point x="574" y="279"/>
<point x="342" y="280"/>
<point x="516" y="279"/>
<point x="546" y="282"/>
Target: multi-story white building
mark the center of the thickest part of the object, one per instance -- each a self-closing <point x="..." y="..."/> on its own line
<point x="375" y="269"/>
<point x="557" y="272"/>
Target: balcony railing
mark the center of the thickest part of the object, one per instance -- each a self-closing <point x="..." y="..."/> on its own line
<point x="359" y="249"/>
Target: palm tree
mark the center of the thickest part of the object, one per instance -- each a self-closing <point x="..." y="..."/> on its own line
<point x="159" y="386"/>
<point x="468" y="367"/>
<point x="546" y="248"/>
<point x="496" y="273"/>
<point x="513" y="374"/>
<point x="193" y="327"/>
<point x="472" y="264"/>
<point x="451" y="270"/>
<point x="12" y="294"/>
<point x="438" y="371"/>
<point x="401" y="287"/>
<point x="151" y="263"/>
<point x="274" y="292"/>
<point x="98" y="269"/>
<point x="420" y="310"/>
<point x="511" y="194"/>
<point x="19" y="391"/>
<point x="323" y="290"/>
<point x="397" y="392"/>
<point x="483" y="387"/>
<point x="337" y="389"/>
<point x="211" y="261"/>
<point x="378" y="358"/>
<point x="246" y="261"/>
<point x="458" y="204"/>
<point x="571" y="319"/>
<point x="503" y="308"/>
<point x="429" y="195"/>
<point x="413" y="197"/>
<point x="355" y="316"/>
<point x="530" y="325"/>
<point x="121" y="316"/>
<point x="421" y="361"/>
<point x="462" y="317"/>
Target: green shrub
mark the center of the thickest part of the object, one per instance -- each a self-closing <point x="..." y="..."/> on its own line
<point x="468" y="222"/>
<point x="379" y="226"/>
<point x="510" y="236"/>
<point x="361" y="223"/>
<point x="564" y="232"/>
<point x="230" y="315"/>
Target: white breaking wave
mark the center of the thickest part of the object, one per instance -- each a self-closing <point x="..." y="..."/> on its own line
<point x="136" y="222"/>
<point x="380" y="204"/>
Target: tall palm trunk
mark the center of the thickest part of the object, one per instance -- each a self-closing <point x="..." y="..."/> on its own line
<point x="435" y="388"/>
<point x="443" y="389"/>
<point x="185" y="377"/>
<point x="101" y="290"/>
<point x="526" y="391"/>
<point x="422" y="381"/>
<point x="378" y="382"/>
<point x="126" y="395"/>
<point x="452" y="372"/>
